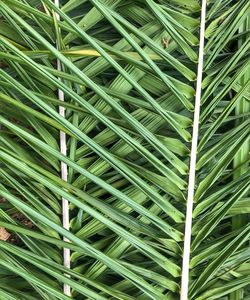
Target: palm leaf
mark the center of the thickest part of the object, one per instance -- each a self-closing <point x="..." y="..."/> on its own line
<point x="154" y="135"/>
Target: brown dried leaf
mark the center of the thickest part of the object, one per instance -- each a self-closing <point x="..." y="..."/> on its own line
<point x="4" y="234"/>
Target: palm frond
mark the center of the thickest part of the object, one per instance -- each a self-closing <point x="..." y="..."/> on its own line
<point x="157" y="149"/>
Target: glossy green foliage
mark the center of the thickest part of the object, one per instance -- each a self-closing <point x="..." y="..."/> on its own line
<point x="129" y="78"/>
